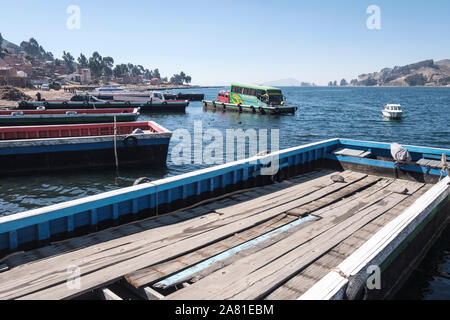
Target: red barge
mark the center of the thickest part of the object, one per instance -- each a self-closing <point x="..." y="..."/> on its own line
<point x="31" y="149"/>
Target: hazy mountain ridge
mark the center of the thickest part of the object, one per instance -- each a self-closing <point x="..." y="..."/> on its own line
<point x="288" y="82"/>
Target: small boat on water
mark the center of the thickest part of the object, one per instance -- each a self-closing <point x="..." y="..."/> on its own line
<point x="251" y="98"/>
<point x="29" y="149"/>
<point x="66" y="116"/>
<point x="393" y="111"/>
<point x="154" y="102"/>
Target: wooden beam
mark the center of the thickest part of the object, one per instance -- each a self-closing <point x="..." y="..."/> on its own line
<point x="152" y="294"/>
<point x="109" y="295"/>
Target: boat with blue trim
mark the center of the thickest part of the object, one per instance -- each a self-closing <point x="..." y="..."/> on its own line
<point x="66" y="116"/>
<point x="335" y="219"/>
<point x="31" y="149"/>
<point x="153" y="102"/>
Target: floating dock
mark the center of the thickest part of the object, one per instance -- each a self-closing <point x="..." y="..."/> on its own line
<point x="310" y="230"/>
<point x="225" y="107"/>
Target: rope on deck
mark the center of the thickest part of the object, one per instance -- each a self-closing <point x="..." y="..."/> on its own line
<point x="444" y="167"/>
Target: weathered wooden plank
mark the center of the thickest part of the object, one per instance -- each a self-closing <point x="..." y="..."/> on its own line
<point x="423" y="162"/>
<point x="147" y="275"/>
<point x="431" y="163"/>
<point x="348" y="152"/>
<point x="294" y="288"/>
<point x="252" y="281"/>
<point x="132" y="256"/>
<point x="285" y="195"/>
<point x="352" y="152"/>
<point x="435" y="164"/>
<point x="326" y="201"/>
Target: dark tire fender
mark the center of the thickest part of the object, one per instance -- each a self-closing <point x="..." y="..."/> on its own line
<point x="130" y="142"/>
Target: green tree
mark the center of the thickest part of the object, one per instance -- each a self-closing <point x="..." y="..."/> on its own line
<point x="31" y="47"/>
<point x="120" y="71"/>
<point x="343" y="83"/>
<point x="107" y="66"/>
<point x="69" y="61"/>
<point x="156" y="74"/>
<point x="148" y="74"/>
<point x="134" y="70"/>
<point x="96" y="65"/>
<point x="35" y="50"/>
<point x="83" y="61"/>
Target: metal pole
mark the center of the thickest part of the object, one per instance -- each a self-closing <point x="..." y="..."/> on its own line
<point x="115" y="144"/>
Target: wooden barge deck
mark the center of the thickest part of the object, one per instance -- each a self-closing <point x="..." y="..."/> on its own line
<point x="283" y="239"/>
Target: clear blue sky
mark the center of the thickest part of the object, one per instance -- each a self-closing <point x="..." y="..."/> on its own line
<point x="218" y="42"/>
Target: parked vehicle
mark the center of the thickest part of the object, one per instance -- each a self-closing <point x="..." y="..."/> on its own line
<point x="223" y="96"/>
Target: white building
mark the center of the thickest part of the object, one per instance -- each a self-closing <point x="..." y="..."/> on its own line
<point x="81" y="76"/>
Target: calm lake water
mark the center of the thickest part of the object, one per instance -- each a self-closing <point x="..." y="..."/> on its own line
<point x="324" y="113"/>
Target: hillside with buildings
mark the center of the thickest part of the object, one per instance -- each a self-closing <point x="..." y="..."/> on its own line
<point x="29" y="65"/>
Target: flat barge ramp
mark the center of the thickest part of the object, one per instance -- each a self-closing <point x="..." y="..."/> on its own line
<point x="333" y="213"/>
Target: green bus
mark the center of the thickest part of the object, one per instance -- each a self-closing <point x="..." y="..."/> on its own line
<point x="256" y="95"/>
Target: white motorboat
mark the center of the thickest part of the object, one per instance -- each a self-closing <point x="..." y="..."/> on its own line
<point x="393" y="111"/>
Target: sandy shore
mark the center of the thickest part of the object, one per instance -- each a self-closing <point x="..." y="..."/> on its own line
<point x="47" y="95"/>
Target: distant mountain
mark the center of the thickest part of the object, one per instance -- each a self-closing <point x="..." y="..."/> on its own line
<point x="424" y="73"/>
<point x="289" y="82"/>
